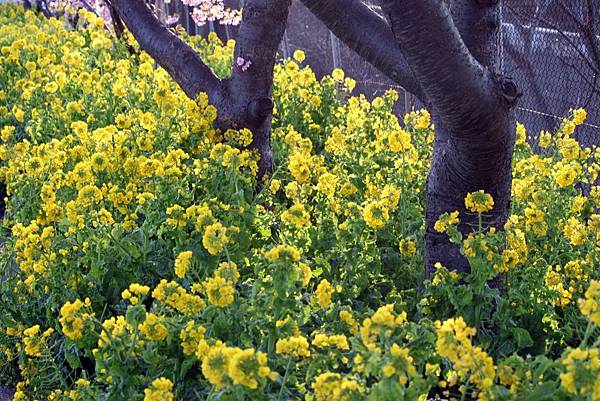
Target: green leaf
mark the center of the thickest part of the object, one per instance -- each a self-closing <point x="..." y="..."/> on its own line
<point x="522" y="336"/>
<point x="543" y="392"/>
<point x="72" y="356"/>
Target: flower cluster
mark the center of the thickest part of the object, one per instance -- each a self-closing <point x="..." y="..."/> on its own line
<point x="150" y="267"/>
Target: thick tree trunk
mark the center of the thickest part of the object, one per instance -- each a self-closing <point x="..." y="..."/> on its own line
<point x="447" y="56"/>
<point x="261" y="32"/>
<point x="454" y="53"/>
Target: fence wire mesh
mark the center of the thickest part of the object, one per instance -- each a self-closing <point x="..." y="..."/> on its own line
<point x="551" y="48"/>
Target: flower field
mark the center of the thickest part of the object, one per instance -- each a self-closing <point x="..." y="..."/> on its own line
<point x="141" y="262"/>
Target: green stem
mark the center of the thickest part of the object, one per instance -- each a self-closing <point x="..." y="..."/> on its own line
<point x="588" y="331"/>
<point x="285" y="376"/>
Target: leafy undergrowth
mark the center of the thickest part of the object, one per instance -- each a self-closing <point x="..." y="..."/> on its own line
<point x="150" y="270"/>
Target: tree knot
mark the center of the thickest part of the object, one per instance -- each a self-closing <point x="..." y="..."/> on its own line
<point x="258" y="110"/>
<point x="510" y="91"/>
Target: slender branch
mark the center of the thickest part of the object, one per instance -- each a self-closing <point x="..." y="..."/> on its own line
<point x="173" y="54"/>
<point x="585" y="30"/>
<point x="561" y="32"/>
<point x="369" y="35"/>
<point x="590" y="82"/>
<point x="590" y="34"/>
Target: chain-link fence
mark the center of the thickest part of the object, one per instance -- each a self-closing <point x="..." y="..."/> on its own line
<point x="550" y="47"/>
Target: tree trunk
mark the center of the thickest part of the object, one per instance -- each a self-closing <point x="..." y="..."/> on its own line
<point x="454" y="53"/>
<point x="244" y="100"/>
<point x="448" y="57"/>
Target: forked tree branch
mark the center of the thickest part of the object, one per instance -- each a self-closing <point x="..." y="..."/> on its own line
<point x="173" y="54"/>
<point x="461" y="90"/>
<point x="369" y="35"/>
<point x="244" y="100"/>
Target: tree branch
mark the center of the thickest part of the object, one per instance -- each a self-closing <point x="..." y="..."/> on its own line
<point x="173" y="54"/>
<point x="369" y="35"/>
<point x="461" y="90"/>
<point x="561" y="32"/>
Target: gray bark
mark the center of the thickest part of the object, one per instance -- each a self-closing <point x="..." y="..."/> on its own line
<point x="244" y="100"/>
<point x="369" y="35"/>
<point x="446" y="56"/>
<point x="453" y="54"/>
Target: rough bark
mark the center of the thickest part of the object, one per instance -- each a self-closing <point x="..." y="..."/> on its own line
<point x="454" y="63"/>
<point x="173" y="54"/>
<point x="369" y="35"/>
<point x="244" y="100"/>
<point x="260" y="34"/>
<point x="446" y="56"/>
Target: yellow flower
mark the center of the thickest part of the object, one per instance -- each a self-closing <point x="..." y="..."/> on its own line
<point x="575" y="231"/>
<point x="330" y="386"/>
<point x="579" y="116"/>
<point x="324" y="293"/>
<point x="423" y="120"/>
<point x="215" y="365"/>
<point x="296" y="346"/>
<point x="215" y="238"/>
<point x="19" y="114"/>
<point x="446" y="220"/>
<point x="298" y="166"/>
<point x="73" y="318"/>
<point x="190" y="337"/>
<point x="161" y="389"/>
<point x="337" y="340"/>
<point x="296" y="215"/>
<point x="306" y="273"/>
<point x="33" y="341"/>
<point x="99" y="162"/>
<point x="245" y="366"/>
<point x="153" y="327"/>
<point x="349" y="320"/>
<point x="582" y="373"/>
<point x="338" y="75"/>
<point x="521" y="134"/>
<point x="299" y="56"/>
<point x="407" y="247"/>
<point x="6" y="132"/>
<point x="80" y="128"/>
<point x="566" y="175"/>
<point x="545" y="139"/>
<point x="590" y="306"/>
<point x="327" y="184"/>
<point x="283" y="253"/>
<point x="274" y="186"/>
<point x="228" y="271"/>
<point x="479" y="202"/>
<point x="51" y="87"/>
<point x="376" y="214"/>
<point x="182" y="263"/>
<point x="471" y="363"/>
<point x="219" y="291"/>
